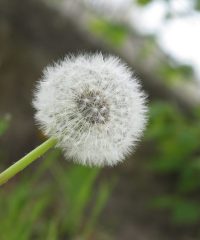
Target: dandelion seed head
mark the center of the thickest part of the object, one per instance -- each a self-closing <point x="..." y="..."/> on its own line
<point x="93" y="105"/>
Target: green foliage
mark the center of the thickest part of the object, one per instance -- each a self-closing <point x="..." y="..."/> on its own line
<point x="102" y="198"/>
<point x="4" y="124"/>
<point x="51" y="202"/>
<point x="113" y="33"/>
<point x="143" y="2"/>
<point x="182" y="211"/>
<point x="176" y="156"/>
<point x="176" y="73"/>
<point x="176" y="138"/>
<point x="197" y="5"/>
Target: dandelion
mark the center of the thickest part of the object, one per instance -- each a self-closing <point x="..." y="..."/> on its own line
<point x="92" y="107"/>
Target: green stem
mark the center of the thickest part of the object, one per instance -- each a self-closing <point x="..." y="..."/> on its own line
<point x="26" y="160"/>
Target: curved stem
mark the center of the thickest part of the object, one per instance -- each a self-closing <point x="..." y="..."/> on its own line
<point x="26" y="160"/>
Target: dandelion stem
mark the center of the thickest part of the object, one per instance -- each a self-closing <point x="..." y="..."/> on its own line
<point x="26" y="160"/>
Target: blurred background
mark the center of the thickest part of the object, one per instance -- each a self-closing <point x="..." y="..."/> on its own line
<point x="155" y="193"/>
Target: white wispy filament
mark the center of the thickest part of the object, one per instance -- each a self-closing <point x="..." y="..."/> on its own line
<point x="93" y="106"/>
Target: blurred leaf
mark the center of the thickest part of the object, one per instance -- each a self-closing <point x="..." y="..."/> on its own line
<point x="77" y="188"/>
<point x="19" y="212"/>
<point x="166" y="165"/>
<point x="176" y="142"/>
<point x="163" y="202"/>
<point x="185" y="212"/>
<point x="196" y="164"/>
<point x="176" y="73"/>
<point x="81" y="180"/>
<point x="143" y="2"/>
<point x="176" y="139"/>
<point x="4" y="124"/>
<point x="114" y="33"/>
<point x="181" y="211"/>
<point x="45" y="164"/>
<point x="28" y="221"/>
<point x="162" y="120"/>
<point x="189" y="179"/>
<point x="101" y="200"/>
<point x="53" y="230"/>
<point x="197" y="5"/>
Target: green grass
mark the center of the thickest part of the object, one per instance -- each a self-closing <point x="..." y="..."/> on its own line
<point x="176" y="159"/>
<point x="52" y="200"/>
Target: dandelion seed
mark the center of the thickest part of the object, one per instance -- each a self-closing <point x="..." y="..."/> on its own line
<point x="93" y="106"/>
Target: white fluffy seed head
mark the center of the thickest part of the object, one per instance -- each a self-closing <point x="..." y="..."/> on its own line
<point x="93" y="106"/>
